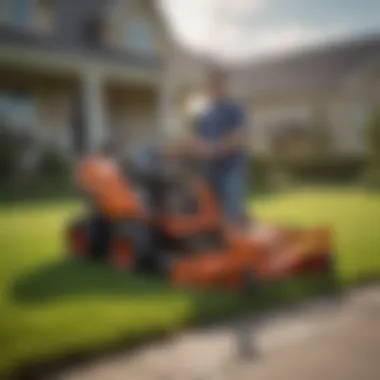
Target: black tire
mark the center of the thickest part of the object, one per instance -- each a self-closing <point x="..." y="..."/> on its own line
<point x="138" y="237"/>
<point x="95" y="230"/>
<point x="79" y="230"/>
<point x="100" y="229"/>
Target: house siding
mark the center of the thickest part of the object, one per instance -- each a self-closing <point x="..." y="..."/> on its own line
<point x="54" y="112"/>
<point x="346" y="110"/>
<point x="132" y="114"/>
<point x="266" y="116"/>
<point x="45" y="17"/>
<point x="115" y="35"/>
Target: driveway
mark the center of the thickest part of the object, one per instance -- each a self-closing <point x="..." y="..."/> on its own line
<point x="328" y="339"/>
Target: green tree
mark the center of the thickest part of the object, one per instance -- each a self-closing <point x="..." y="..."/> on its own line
<point x="372" y="177"/>
<point x="321" y="132"/>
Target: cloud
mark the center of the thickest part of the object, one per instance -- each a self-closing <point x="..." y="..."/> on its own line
<point x="204" y="24"/>
<point x="197" y="24"/>
<point x="238" y="29"/>
<point x="285" y="38"/>
<point x="282" y="39"/>
<point x="233" y="43"/>
<point x="190" y="20"/>
<point x="245" y="5"/>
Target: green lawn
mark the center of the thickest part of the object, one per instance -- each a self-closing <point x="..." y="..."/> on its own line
<point x="50" y="307"/>
<point x="353" y="216"/>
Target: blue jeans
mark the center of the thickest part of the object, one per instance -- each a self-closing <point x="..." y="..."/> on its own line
<point x="229" y="187"/>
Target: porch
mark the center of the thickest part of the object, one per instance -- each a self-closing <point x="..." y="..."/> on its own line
<point x="75" y="105"/>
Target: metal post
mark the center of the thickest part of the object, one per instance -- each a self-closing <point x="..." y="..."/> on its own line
<point x="94" y="109"/>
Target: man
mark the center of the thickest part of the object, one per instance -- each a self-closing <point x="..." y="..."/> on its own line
<point x="219" y="142"/>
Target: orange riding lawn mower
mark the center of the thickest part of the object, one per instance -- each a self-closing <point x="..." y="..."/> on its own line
<point x="153" y="215"/>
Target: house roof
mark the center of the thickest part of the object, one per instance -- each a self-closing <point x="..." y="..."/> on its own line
<point x="310" y="71"/>
<point x="17" y="38"/>
<point x="73" y="17"/>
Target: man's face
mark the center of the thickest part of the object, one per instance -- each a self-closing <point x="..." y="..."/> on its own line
<point x="215" y="87"/>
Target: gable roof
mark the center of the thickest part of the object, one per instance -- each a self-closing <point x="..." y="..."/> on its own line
<point x="311" y="71"/>
<point x="72" y="18"/>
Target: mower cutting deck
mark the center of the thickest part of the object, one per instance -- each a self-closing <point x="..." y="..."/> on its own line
<point x="176" y="229"/>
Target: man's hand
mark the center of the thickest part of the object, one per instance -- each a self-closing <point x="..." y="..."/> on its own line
<point x="201" y="149"/>
<point x="174" y="149"/>
<point x="207" y="150"/>
<point x="233" y="141"/>
<point x="196" y="148"/>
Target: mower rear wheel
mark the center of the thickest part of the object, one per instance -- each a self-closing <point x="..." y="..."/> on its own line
<point x="79" y="239"/>
<point x="121" y="254"/>
<point x="130" y="245"/>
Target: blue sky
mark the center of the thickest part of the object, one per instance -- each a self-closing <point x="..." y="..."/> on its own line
<point x="237" y="29"/>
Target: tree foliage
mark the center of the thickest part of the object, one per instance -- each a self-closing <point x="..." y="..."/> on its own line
<point x="372" y="177"/>
<point x="321" y="132"/>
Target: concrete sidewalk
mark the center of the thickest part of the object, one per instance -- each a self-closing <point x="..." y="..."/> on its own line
<point x="323" y="340"/>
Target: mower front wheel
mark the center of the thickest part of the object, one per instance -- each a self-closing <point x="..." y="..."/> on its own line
<point x="121" y="253"/>
<point x="131" y="245"/>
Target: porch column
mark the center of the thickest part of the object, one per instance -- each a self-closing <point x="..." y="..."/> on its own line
<point x="169" y="121"/>
<point x="94" y="109"/>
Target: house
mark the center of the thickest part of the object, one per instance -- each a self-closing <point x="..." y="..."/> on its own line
<point x="339" y="82"/>
<point x="75" y="73"/>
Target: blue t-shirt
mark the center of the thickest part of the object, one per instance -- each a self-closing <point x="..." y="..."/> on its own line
<point x="218" y="122"/>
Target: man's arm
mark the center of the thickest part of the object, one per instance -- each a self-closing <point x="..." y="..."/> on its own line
<point x="232" y="142"/>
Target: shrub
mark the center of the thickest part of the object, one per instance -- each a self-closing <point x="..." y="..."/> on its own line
<point x="267" y="175"/>
<point x="28" y="168"/>
<point x="258" y="173"/>
<point x="337" y="169"/>
<point x="54" y="165"/>
<point x="279" y="173"/>
<point x="372" y="174"/>
<point x="321" y="133"/>
<point x="13" y="146"/>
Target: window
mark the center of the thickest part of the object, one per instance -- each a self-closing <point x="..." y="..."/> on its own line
<point x="18" y="111"/>
<point x="92" y="32"/>
<point x="21" y="12"/>
<point x="139" y="36"/>
<point x="47" y="4"/>
<point x="45" y="15"/>
<point x="362" y="112"/>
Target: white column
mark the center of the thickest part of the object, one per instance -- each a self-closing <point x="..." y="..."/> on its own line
<point x="169" y="120"/>
<point x="165" y="104"/>
<point x="94" y="109"/>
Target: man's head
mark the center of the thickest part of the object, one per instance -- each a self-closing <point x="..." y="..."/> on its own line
<point x="216" y="84"/>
